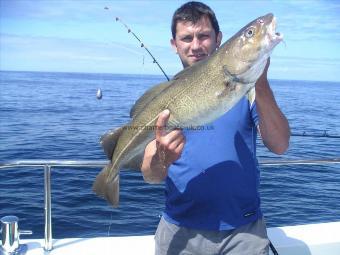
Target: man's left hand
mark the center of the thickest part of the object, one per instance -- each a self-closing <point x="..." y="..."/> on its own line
<point x="263" y="78"/>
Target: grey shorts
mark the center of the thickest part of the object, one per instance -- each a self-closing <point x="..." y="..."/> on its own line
<point x="250" y="239"/>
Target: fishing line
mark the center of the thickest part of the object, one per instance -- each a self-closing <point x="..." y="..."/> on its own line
<point x="303" y="134"/>
<point x="324" y="134"/>
<point x="284" y="43"/>
<point x="128" y="49"/>
<point x="141" y="45"/>
<point x="108" y="231"/>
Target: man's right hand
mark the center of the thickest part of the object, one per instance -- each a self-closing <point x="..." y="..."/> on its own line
<point x="163" y="151"/>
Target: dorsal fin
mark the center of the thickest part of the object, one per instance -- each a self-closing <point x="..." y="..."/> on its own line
<point x="147" y="98"/>
<point x="190" y="69"/>
<point x="182" y="73"/>
<point x="154" y="91"/>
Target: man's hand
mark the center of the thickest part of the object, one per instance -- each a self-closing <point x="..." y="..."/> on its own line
<point x="273" y="124"/>
<point x="163" y="151"/>
<point x="262" y="80"/>
<point x="169" y="145"/>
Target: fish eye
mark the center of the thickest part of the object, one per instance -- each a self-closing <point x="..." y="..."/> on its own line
<point x="249" y="32"/>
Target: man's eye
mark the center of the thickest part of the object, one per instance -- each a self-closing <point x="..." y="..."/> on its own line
<point x="202" y="37"/>
<point x="187" y="39"/>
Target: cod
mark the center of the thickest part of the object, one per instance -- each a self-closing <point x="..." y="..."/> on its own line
<point x="196" y="96"/>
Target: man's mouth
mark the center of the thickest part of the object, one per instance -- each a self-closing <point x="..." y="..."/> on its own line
<point x="198" y="56"/>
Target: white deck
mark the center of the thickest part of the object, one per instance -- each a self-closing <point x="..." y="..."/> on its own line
<point x="93" y="246"/>
<point x="314" y="239"/>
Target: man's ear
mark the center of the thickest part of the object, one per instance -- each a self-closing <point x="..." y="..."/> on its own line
<point x="219" y="39"/>
<point x="173" y="45"/>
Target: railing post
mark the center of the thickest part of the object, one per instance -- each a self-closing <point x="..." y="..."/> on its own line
<point x="48" y="213"/>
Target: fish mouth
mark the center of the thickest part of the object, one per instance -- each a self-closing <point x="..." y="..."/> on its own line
<point x="274" y="37"/>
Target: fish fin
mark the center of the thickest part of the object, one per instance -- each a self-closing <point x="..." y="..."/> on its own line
<point x="147" y="98"/>
<point x="109" y="140"/>
<point x="190" y="69"/>
<point x="182" y="73"/>
<point x="108" y="189"/>
<point x="229" y="77"/>
<point x="251" y="96"/>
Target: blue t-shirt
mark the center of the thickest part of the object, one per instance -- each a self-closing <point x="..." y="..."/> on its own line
<point x="214" y="184"/>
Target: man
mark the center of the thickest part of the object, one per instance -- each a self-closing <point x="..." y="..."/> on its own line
<point x="212" y="179"/>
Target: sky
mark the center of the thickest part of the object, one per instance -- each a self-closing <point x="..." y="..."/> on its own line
<point x="83" y="36"/>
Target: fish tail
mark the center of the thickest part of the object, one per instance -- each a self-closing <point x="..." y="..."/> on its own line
<point x="108" y="188"/>
<point x="106" y="184"/>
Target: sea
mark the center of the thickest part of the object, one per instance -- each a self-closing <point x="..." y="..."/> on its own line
<point x="46" y="115"/>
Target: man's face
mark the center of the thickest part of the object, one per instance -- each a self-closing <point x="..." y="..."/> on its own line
<point x="195" y="42"/>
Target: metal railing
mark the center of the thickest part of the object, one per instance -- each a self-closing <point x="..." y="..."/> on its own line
<point x="48" y="164"/>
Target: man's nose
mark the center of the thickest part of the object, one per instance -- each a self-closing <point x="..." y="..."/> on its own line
<point x="195" y="44"/>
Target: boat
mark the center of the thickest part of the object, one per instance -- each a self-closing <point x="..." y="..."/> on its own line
<point x="309" y="239"/>
<point x="315" y="239"/>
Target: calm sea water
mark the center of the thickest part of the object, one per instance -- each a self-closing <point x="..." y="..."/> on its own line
<point x="57" y="116"/>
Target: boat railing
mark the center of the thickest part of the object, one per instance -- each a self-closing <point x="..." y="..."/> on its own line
<point x="47" y="165"/>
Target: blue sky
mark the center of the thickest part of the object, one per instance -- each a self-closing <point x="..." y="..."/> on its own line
<point x="81" y="36"/>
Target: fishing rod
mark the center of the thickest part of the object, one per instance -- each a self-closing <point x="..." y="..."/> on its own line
<point x="303" y="134"/>
<point x="323" y="134"/>
<point x="141" y="44"/>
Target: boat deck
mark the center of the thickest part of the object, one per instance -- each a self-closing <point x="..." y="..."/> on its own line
<point x="313" y="239"/>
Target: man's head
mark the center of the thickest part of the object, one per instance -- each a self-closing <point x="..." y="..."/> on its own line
<point x="195" y="32"/>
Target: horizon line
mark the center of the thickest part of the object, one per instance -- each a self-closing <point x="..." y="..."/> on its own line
<point x="148" y="74"/>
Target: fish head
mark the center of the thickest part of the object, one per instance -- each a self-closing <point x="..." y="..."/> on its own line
<point x="248" y="50"/>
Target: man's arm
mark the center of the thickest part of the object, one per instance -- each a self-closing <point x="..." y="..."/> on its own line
<point x="162" y="152"/>
<point x="273" y="125"/>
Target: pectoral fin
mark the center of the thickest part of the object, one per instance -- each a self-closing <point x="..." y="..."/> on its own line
<point x="229" y="77"/>
<point x="109" y="140"/>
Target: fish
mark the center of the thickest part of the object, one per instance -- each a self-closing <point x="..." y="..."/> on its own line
<point x="196" y="96"/>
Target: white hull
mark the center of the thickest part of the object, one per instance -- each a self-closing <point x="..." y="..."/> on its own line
<point x="313" y="239"/>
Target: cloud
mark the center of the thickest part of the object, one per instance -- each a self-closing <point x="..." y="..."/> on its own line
<point x="60" y="54"/>
<point x="54" y="52"/>
<point x="81" y="35"/>
<point x="51" y="9"/>
<point x="305" y="68"/>
<point x="307" y="59"/>
<point x="88" y="10"/>
<point x="311" y="20"/>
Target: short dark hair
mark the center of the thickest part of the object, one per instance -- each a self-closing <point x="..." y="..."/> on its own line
<point x="193" y="11"/>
